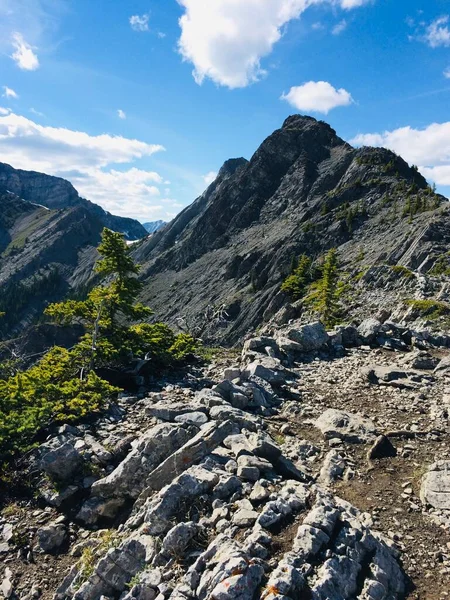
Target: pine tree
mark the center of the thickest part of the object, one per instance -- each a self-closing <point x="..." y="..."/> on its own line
<point x="107" y="305"/>
<point x="296" y="284"/>
<point x="325" y="297"/>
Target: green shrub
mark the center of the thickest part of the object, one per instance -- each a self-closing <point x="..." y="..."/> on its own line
<point x="51" y="391"/>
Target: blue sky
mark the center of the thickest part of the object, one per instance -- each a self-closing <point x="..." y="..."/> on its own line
<point x="139" y="103"/>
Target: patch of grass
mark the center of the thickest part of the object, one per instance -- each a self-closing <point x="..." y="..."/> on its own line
<point x="441" y="265"/>
<point x="359" y="275"/>
<point x="430" y="308"/>
<point x="10" y="510"/>
<point x="278" y="437"/>
<point x="402" y="271"/>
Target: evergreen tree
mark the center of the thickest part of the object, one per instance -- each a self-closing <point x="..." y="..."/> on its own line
<point x="296" y="284"/>
<point x="325" y="296"/>
<point x="108" y="305"/>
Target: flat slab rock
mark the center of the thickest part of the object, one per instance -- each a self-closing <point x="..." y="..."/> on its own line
<point x="435" y="488"/>
<point x="347" y="426"/>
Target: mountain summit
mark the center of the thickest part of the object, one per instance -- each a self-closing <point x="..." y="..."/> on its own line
<point x="305" y="190"/>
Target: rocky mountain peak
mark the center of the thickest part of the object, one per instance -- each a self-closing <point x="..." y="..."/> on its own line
<point x="231" y="165"/>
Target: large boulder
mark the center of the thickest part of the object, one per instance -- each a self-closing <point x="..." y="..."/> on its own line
<point x="268" y="369"/>
<point x="369" y="329"/>
<point x="435" y="488"/>
<point x="128" y="479"/>
<point x="311" y="337"/>
<point x="346" y="426"/>
<point x="61" y="463"/>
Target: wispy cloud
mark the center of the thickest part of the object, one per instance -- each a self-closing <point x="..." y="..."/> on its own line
<point x="36" y="112"/>
<point x="209" y="177"/>
<point x="140" y="22"/>
<point x="23" y="54"/>
<point x="121" y="114"/>
<point x="339" y="27"/>
<point x="9" y="93"/>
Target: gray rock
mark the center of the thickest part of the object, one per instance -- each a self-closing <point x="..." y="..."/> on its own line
<point x="152" y="448"/>
<point x="268" y="369"/>
<point x="245" y="517"/>
<point x="229" y="572"/>
<point x="346" y="426"/>
<point x="169" y="411"/>
<point x="242" y="419"/>
<point x="248" y="473"/>
<point x="179" y="537"/>
<point x="232" y="373"/>
<point x="420" y="360"/>
<point x="192" y="418"/>
<point x="435" y="489"/>
<point x="311" y="337"/>
<point x="6" y="587"/>
<point x="202" y="444"/>
<point x="369" y="329"/>
<point x="61" y="463"/>
<point x="52" y="537"/>
<point x="159" y="511"/>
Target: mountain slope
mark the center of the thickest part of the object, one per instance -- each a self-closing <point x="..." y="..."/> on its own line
<point x="305" y="190"/>
<point x="48" y="240"/>
<point x="154" y="226"/>
<point x="57" y="193"/>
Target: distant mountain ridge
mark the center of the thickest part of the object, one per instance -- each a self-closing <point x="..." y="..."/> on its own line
<point x="154" y="226"/>
<point x="57" y="193"/>
<point x="48" y="241"/>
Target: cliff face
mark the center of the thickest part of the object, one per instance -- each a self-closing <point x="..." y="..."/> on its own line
<point x="305" y="190"/>
<point x="56" y="193"/>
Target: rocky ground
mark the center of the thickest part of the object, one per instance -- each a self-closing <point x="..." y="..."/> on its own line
<point x="316" y="465"/>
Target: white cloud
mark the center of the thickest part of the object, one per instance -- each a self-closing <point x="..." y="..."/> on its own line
<point x="4" y="111"/>
<point x="209" y="177"/>
<point x="225" y="40"/>
<point x="437" y="33"/>
<point x="23" y="54"/>
<point x="121" y="114"/>
<point x="9" y="93"/>
<point x="447" y="73"/>
<point x="140" y="22"/>
<point x="317" y="96"/>
<point x="349" y="4"/>
<point x="339" y="27"/>
<point x="429" y="148"/>
<point x="37" y="112"/>
<point x="85" y="160"/>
